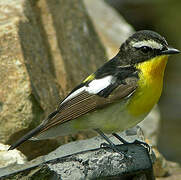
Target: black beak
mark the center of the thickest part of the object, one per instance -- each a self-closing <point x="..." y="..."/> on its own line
<point x="170" y="51"/>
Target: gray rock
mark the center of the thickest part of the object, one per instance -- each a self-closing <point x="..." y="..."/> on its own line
<point x="84" y="160"/>
<point x="101" y="164"/>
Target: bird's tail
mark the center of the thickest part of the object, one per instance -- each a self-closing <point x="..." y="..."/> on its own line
<point x="33" y="132"/>
<point x="26" y="136"/>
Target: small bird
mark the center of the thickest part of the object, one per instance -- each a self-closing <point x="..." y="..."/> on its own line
<point x="117" y="96"/>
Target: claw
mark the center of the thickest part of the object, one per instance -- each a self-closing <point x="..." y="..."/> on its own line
<point x="135" y="142"/>
<point x="104" y="145"/>
<point x="114" y="148"/>
<point x="143" y="143"/>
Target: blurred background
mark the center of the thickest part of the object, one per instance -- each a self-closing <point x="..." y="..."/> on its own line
<point x="164" y="17"/>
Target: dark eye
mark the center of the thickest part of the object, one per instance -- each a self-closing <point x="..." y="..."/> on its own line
<point x="145" y="49"/>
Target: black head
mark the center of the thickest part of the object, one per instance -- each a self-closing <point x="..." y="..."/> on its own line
<point x="142" y="46"/>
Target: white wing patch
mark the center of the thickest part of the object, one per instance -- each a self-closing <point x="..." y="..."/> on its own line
<point x="75" y="93"/>
<point x="97" y="85"/>
<point x="149" y="43"/>
<point x="93" y="87"/>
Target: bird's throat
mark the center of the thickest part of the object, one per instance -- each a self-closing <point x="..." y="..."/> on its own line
<point x="153" y="69"/>
<point x="150" y="84"/>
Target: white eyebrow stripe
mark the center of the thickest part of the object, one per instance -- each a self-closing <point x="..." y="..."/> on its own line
<point x="149" y="43"/>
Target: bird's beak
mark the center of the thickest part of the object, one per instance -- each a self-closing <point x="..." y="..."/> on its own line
<point x="169" y="51"/>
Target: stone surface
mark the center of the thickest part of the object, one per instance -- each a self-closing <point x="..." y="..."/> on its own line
<point x="27" y="85"/>
<point x="174" y="172"/>
<point x="69" y="37"/>
<point x="83" y="159"/>
<point x="8" y="158"/>
<point x="112" y="29"/>
<point x="161" y="167"/>
<point x="101" y="164"/>
<point x="41" y="61"/>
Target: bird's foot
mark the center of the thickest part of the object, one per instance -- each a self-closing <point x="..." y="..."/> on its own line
<point x="114" y="148"/>
<point x="135" y="142"/>
<point x="110" y="144"/>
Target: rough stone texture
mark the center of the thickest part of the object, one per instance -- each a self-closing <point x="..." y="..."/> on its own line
<point x="15" y="88"/>
<point x="112" y="29"/>
<point x="40" y="60"/>
<point x="8" y="158"/>
<point x="82" y="160"/>
<point x="69" y="37"/>
<point x="101" y="164"/>
<point x="80" y="164"/>
<point x="173" y="173"/>
<point x="27" y="85"/>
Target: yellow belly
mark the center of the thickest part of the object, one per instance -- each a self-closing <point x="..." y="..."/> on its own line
<point x="149" y="86"/>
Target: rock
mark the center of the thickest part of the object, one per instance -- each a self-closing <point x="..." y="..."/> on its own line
<point x="8" y="158"/>
<point x="74" y="46"/>
<point x="40" y="60"/>
<point x="100" y="164"/>
<point x="28" y="89"/>
<point x="174" y="172"/>
<point x="85" y="160"/>
<point x="164" y="168"/>
<point x="112" y="29"/>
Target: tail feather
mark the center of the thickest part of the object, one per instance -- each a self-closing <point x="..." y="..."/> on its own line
<point x="26" y="136"/>
<point x="33" y="132"/>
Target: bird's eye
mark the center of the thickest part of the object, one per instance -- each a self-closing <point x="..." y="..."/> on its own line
<point x="145" y="49"/>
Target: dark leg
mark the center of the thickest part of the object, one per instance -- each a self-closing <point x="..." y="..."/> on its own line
<point x="120" y="138"/>
<point x="110" y="143"/>
<point x="135" y="142"/>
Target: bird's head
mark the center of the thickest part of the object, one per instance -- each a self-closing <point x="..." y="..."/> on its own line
<point x="143" y="46"/>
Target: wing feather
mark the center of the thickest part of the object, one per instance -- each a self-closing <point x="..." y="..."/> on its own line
<point x="84" y="103"/>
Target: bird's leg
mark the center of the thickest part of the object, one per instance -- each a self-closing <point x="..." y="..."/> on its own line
<point x="135" y="142"/>
<point x="110" y="144"/>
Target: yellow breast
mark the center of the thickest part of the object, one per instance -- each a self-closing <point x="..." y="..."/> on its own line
<point x="149" y="86"/>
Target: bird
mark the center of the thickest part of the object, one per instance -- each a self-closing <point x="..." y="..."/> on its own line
<point x="117" y="96"/>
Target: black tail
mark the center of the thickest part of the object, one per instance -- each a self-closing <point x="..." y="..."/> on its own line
<point x="33" y="131"/>
<point x="26" y="137"/>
